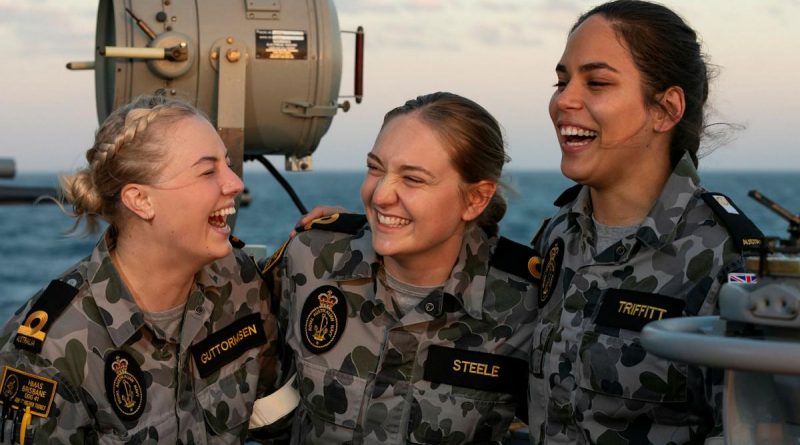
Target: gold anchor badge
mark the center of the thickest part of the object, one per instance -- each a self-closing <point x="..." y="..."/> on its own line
<point x="127" y="390"/>
<point x="549" y="271"/>
<point x="322" y="323"/>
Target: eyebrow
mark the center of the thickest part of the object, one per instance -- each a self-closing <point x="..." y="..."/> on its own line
<point x="205" y="159"/>
<point x="404" y="168"/>
<point x="208" y="159"/>
<point x="591" y="66"/>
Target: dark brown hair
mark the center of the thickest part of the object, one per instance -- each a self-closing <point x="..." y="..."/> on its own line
<point x="474" y="138"/>
<point x="667" y="53"/>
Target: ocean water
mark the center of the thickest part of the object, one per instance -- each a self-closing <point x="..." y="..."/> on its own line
<point x="34" y="247"/>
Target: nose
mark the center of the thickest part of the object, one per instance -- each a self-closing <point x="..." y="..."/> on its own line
<point x="569" y="97"/>
<point x="231" y="182"/>
<point x="385" y="192"/>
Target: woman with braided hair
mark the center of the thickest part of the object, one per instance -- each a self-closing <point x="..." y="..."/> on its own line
<point x="164" y="333"/>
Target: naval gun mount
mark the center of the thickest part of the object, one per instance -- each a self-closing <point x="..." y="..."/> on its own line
<point x="755" y="338"/>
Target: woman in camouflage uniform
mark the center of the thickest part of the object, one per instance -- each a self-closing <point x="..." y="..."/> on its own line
<point x="412" y="324"/>
<point x="637" y="240"/>
<point x="163" y="334"/>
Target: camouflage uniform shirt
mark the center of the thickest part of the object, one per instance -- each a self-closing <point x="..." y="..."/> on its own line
<point x="119" y="380"/>
<point x="450" y="371"/>
<point x="591" y="381"/>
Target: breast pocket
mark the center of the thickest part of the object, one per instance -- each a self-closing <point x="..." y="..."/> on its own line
<point x="330" y="396"/>
<point x="620" y="367"/>
<point x="466" y="396"/>
<point x="445" y="414"/>
<point x="227" y="402"/>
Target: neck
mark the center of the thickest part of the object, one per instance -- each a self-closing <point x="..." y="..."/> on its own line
<point x="155" y="281"/>
<point x="418" y="275"/>
<point x="430" y="268"/>
<point x="629" y="200"/>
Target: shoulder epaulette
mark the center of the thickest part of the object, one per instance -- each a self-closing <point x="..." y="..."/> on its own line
<point x="44" y="311"/>
<point x="568" y="195"/>
<point x="350" y="223"/>
<point x="236" y="242"/>
<point x="540" y="232"/>
<point x="516" y="259"/>
<point x="746" y="235"/>
<point x="274" y="259"/>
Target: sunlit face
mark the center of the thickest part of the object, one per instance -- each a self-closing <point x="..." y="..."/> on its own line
<point x="603" y="124"/>
<point x="194" y="193"/>
<point x="412" y="196"/>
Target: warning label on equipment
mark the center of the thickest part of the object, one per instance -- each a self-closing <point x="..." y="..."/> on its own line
<point x="278" y="44"/>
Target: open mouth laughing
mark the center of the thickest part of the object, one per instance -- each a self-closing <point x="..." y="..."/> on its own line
<point x="219" y="218"/>
<point x="576" y="136"/>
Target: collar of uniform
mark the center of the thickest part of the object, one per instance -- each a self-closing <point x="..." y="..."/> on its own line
<point x="579" y="216"/>
<point x="466" y="282"/>
<point x="660" y="225"/>
<point x="220" y="272"/>
<point x="118" y="310"/>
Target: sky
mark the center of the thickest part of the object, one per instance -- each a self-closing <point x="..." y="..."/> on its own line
<point x="500" y="53"/>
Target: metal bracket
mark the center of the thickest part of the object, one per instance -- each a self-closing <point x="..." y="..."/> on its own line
<point x="298" y="108"/>
<point x="263" y="9"/>
<point x="299" y="164"/>
<point x="231" y="92"/>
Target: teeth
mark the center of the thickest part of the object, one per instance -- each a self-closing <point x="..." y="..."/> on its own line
<point x="224" y="212"/>
<point x="217" y="218"/>
<point x="392" y="220"/>
<point x="575" y="131"/>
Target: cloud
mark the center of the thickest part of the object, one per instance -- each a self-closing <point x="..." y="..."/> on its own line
<point x="506" y="33"/>
<point x="48" y="28"/>
<point x="413" y="35"/>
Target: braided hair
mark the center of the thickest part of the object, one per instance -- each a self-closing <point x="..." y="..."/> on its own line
<point x="127" y="149"/>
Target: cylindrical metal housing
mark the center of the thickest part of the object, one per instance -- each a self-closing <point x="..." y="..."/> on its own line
<point x="292" y="49"/>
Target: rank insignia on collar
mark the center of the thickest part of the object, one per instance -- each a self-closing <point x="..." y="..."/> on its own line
<point x="323" y="319"/>
<point x="125" y="386"/>
<point x="551" y="269"/>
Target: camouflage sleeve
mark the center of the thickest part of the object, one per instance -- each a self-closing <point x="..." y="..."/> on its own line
<point x="58" y="408"/>
<point x="284" y="309"/>
<point x="270" y="364"/>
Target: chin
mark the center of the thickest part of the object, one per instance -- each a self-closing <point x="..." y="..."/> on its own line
<point x="382" y="246"/>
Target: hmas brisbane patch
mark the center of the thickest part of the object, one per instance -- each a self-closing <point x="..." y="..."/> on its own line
<point x="125" y="386"/>
<point x="551" y="269"/>
<point x="323" y="319"/>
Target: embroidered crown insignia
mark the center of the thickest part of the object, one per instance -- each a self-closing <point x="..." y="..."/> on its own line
<point x="327" y="300"/>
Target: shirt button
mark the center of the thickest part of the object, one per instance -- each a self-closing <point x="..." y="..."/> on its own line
<point x="429" y="307"/>
<point x="620" y="250"/>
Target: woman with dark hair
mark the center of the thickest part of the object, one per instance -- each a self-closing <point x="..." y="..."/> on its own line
<point x="636" y="240"/>
<point x="412" y="324"/>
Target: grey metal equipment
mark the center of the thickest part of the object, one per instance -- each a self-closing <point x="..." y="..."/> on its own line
<point x="21" y="194"/>
<point x="266" y="72"/>
<point x="756" y="338"/>
<point x="7" y="168"/>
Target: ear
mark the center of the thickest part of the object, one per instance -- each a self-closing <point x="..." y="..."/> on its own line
<point x="137" y="200"/>
<point x="479" y="195"/>
<point x="672" y="105"/>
